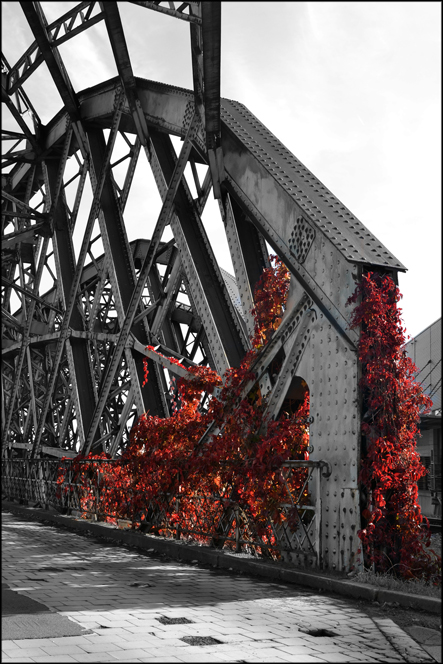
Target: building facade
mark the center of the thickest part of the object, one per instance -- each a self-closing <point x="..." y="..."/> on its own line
<point x="425" y="351"/>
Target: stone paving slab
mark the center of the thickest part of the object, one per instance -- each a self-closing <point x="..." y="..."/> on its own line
<point x="124" y="592"/>
<point x="183" y="551"/>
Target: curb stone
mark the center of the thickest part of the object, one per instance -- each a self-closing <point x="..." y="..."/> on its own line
<point x="184" y="552"/>
<point x="404" y="644"/>
<point x="429" y="639"/>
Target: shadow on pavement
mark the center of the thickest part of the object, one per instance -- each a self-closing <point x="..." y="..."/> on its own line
<point x="23" y="617"/>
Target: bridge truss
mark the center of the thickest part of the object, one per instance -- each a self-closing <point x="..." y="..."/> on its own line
<point x="80" y="302"/>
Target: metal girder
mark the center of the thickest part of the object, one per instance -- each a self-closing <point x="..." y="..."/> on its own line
<point x="28" y="293"/>
<point x="302" y="275"/>
<point x="63" y="246"/>
<point x="163" y="361"/>
<point x="163" y="219"/>
<point x="238" y="262"/>
<point x="197" y="59"/>
<point x="33" y="56"/>
<point x="289" y="325"/>
<point x="211" y="38"/>
<point x="252" y="246"/>
<point x="297" y="346"/>
<point x="26" y="329"/>
<point x="20" y="98"/>
<point x="201" y="312"/>
<point x="38" y="24"/>
<point x="121" y="271"/>
<point x="203" y="258"/>
<point x="211" y="29"/>
<point x="169" y="11"/>
<point x="51" y="56"/>
<point x="166" y="301"/>
<point x="18" y="118"/>
<point x="71" y="299"/>
<point x="123" y="61"/>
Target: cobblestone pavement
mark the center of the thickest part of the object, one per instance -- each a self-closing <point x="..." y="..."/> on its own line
<point x="121" y="594"/>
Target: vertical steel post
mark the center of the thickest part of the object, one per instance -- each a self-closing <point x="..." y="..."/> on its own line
<point x="237" y="531"/>
<point x="318" y="515"/>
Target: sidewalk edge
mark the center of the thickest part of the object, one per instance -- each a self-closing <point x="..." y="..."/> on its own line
<point x="403" y="643"/>
<point x="227" y="561"/>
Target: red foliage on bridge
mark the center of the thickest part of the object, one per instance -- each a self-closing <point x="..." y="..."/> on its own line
<point x="239" y="462"/>
<point x="171" y="465"/>
<point x="394" y="535"/>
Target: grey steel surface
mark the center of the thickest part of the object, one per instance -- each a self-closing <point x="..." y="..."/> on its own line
<point x="354" y="241"/>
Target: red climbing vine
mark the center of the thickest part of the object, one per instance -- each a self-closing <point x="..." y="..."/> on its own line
<point x="167" y="475"/>
<point x="167" y="467"/>
<point x="394" y="536"/>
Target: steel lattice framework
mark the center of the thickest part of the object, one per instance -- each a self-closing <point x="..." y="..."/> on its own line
<point x="76" y="319"/>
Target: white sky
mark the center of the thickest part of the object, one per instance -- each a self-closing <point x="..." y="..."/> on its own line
<point x="353" y="89"/>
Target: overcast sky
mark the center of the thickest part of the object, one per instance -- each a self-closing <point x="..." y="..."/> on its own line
<point x="353" y="89"/>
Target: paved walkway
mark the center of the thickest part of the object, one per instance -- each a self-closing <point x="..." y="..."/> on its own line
<point x="126" y="600"/>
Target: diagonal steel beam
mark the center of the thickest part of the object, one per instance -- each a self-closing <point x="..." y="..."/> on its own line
<point x="23" y="205"/>
<point x="30" y="294"/>
<point x="18" y="118"/>
<point x="260" y="366"/>
<point x="33" y="57"/>
<point x="24" y="343"/>
<point x="252" y="244"/>
<point x="191" y="227"/>
<point x="148" y="262"/>
<point x="162" y="360"/>
<point x="72" y="298"/>
<point x="123" y="62"/>
<point x="289" y="368"/>
<point x="51" y="57"/>
<point x="30" y="316"/>
<point x="324" y="303"/>
<point x="238" y="262"/>
<point x="170" y="12"/>
<point x="20" y="94"/>
<point x="170" y="291"/>
<point x="214" y="348"/>
<point x="121" y="271"/>
<point x="77" y="350"/>
<point x="39" y="27"/>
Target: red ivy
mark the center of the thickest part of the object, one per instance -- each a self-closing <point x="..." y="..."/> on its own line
<point x="394" y="536"/>
<point x="239" y="463"/>
<point x="271" y="293"/>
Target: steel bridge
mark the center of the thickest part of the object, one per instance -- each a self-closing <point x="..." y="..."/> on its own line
<point x="80" y="302"/>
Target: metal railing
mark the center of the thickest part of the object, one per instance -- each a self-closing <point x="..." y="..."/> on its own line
<point x="215" y="520"/>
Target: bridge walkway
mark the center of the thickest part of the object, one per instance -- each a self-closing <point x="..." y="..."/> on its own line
<point x="127" y="606"/>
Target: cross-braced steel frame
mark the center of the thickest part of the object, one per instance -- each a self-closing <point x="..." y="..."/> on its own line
<point x="80" y="302"/>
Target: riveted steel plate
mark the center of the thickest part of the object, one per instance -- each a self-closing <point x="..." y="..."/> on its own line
<point x="301" y="239"/>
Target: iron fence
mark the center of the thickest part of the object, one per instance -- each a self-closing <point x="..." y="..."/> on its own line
<point x="216" y="520"/>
